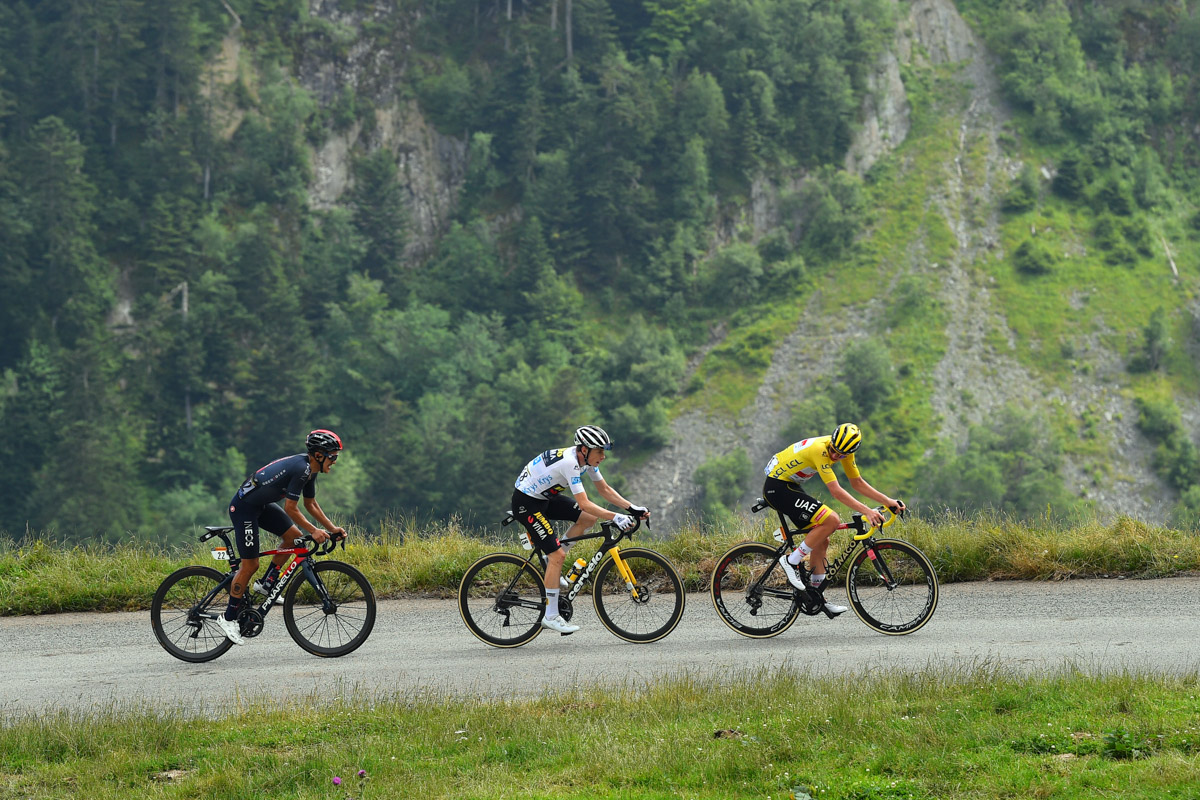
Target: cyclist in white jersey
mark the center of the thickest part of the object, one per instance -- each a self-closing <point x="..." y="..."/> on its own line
<point x="539" y="497"/>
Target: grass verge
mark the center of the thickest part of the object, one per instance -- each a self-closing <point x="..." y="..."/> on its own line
<point x="41" y="577"/>
<point x="932" y="734"/>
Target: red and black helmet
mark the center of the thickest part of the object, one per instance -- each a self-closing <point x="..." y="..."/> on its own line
<point x="323" y="441"/>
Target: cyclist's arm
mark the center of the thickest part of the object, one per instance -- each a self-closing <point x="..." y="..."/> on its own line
<point x="314" y="508"/>
<point x="588" y="507"/>
<point x="861" y="486"/>
<point x="293" y="510"/>
<point x="846" y="499"/>
<point x="613" y="496"/>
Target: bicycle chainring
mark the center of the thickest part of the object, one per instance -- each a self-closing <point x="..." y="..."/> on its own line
<point x="808" y="605"/>
<point x="251" y="622"/>
<point x="565" y="608"/>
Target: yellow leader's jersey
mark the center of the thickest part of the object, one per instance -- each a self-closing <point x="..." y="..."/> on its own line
<point x="806" y="458"/>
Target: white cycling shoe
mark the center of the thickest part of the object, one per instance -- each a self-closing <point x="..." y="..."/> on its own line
<point x="558" y="624"/>
<point x="792" y="574"/>
<point x="834" y="608"/>
<point x="231" y="629"/>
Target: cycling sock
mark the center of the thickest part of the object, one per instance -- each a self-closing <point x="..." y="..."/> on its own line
<point x="235" y="605"/>
<point x="816" y="580"/>
<point x="551" y="603"/>
<point x="798" y="554"/>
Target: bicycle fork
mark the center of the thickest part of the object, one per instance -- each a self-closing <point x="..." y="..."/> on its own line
<point x="635" y="591"/>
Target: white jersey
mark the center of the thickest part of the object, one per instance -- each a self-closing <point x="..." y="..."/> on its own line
<point x="554" y="472"/>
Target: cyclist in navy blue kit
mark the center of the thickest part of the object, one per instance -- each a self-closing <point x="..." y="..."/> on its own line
<point x="256" y="505"/>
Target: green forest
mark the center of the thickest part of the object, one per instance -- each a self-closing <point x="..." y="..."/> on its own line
<point x="178" y="311"/>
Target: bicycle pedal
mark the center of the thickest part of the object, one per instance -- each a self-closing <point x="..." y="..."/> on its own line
<point x="566" y="634"/>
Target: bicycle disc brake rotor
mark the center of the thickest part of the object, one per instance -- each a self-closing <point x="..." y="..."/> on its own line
<point x="251" y="622"/>
<point x="641" y="594"/>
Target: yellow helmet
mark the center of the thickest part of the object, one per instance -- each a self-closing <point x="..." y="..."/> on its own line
<point x="846" y="438"/>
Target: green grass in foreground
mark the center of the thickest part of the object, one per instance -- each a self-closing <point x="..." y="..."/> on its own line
<point x="981" y="734"/>
<point x="40" y="577"/>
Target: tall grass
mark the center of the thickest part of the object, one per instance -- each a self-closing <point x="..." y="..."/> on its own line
<point x="404" y="557"/>
<point x="972" y="733"/>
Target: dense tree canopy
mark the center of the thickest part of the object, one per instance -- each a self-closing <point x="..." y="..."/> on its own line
<point x="178" y="310"/>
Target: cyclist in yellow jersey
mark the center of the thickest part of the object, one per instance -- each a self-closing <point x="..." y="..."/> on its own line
<point x="802" y="461"/>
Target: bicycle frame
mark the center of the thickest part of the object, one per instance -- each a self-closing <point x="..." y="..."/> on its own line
<point x="863" y="535"/>
<point x="609" y="546"/>
<point x="302" y="563"/>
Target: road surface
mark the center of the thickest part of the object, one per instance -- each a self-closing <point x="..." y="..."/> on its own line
<point x="420" y="647"/>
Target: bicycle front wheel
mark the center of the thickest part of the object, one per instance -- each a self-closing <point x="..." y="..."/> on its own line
<point x="892" y="587"/>
<point x="341" y="627"/>
<point x="184" y="623"/>
<point x="650" y="607"/>
<point x="502" y="600"/>
<point x="750" y="592"/>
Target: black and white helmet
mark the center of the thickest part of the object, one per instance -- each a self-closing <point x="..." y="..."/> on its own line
<point x="593" y="436"/>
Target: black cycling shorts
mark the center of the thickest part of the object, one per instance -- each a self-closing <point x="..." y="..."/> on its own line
<point x="535" y="514"/>
<point x="247" y="519"/>
<point x="794" y="503"/>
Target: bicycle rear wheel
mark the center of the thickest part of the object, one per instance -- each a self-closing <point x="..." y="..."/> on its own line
<point x="892" y="587"/>
<point x="183" y="623"/>
<point x="750" y="592"/>
<point x="343" y="627"/>
<point x="646" y="611"/>
<point x="502" y="600"/>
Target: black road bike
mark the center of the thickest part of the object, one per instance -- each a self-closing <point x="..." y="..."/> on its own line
<point x="638" y="595"/>
<point x="891" y="584"/>
<point x="329" y="610"/>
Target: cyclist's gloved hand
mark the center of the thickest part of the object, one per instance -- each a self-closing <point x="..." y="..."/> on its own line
<point x="624" y="521"/>
<point x="640" y="512"/>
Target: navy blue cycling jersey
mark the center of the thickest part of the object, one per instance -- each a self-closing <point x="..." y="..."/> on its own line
<point x="287" y="477"/>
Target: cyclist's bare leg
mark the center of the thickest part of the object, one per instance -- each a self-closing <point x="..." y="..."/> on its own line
<point x="554" y="565"/>
<point x="243" y="577"/>
<point x="554" y="561"/>
<point x="818" y="540"/>
<point x="289" y="540"/>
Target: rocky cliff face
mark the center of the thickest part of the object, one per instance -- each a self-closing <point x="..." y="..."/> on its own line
<point x="931" y="32"/>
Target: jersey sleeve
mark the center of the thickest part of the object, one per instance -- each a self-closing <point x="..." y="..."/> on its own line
<point x="851" y="467"/>
<point x="299" y="483"/>
<point x="310" y="488"/>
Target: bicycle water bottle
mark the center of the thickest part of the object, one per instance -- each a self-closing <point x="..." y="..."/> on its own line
<point x="577" y="570"/>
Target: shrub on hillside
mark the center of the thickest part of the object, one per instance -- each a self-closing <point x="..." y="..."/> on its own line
<point x="1156" y="341"/>
<point x="1010" y="465"/>
<point x="1032" y="257"/>
<point x="1023" y="194"/>
<point x="1158" y="418"/>
<point x="1073" y="177"/>
<point x="814" y="415"/>
<point x="868" y="374"/>
<point x="722" y="482"/>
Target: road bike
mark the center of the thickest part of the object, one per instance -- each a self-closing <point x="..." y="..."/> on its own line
<point x="328" y="606"/>
<point x="637" y="594"/>
<point x="891" y="584"/>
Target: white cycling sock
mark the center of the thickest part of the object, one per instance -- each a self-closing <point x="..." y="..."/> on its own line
<point x="816" y="580"/>
<point x="798" y="554"/>
<point x="551" y="603"/>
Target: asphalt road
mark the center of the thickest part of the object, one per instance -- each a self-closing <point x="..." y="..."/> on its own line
<point x="79" y="662"/>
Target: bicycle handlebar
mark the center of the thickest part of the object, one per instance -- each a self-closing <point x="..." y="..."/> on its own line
<point x="322" y="548"/>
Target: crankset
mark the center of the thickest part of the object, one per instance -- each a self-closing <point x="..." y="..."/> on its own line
<point x="565" y="608"/>
<point x="808" y="605"/>
<point x="251" y="622"/>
